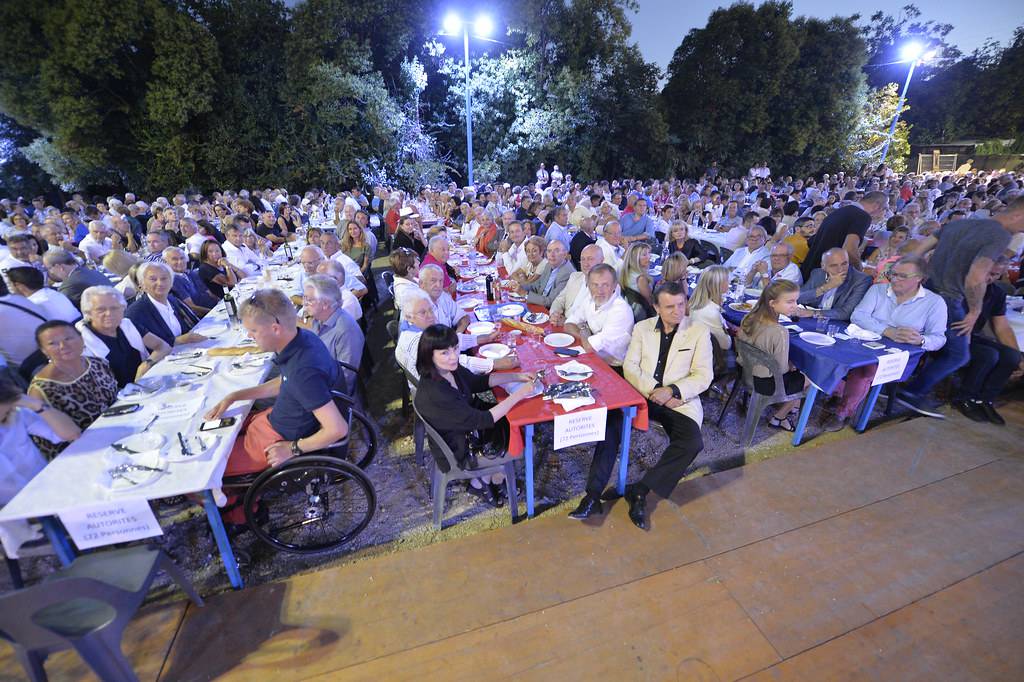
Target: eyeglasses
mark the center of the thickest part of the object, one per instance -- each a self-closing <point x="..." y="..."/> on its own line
<point x="903" y="275"/>
<point x="253" y="301"/>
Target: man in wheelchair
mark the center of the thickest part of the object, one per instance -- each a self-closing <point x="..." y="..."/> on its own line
<point x="304" y="418"/>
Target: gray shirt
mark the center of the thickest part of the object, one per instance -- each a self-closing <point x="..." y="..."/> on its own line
<point x="344" y="339"/>
<point x="959" y="244"/>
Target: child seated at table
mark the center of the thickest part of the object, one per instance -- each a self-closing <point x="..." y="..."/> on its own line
<point x="761" y="329"/>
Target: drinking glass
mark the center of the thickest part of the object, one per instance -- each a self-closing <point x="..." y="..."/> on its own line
<point x="820" y="323"/>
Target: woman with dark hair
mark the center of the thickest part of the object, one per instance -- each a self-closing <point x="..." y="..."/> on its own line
<point x="445" y="399"/>
<point x="78" y="385"/>
<point x="288" y="220"/>
<point x="215" y="271"/>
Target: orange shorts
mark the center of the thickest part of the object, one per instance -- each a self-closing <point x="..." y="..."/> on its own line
<point x="248" y="455"/>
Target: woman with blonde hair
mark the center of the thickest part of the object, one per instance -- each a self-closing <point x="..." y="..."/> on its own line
<point x="706" y="303"/>
<point x="636" y="263"/>
<point x="674" y="269"/>
<point x="761" y="329"/>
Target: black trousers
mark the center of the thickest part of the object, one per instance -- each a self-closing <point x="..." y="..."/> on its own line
<point x="989" y="369"/>
<point x="605" y="453"/>
<point x="684" y="444"/>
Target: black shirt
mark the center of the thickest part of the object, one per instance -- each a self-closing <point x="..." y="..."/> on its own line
<point x="663" y="348"/>
<point x="579" y="242"/>
<point x="124" y="359"/>
<point x="403" y="239"/>
<point x="992" y="305"/>
<point x="264" y="231"/>
<point x="451" y="412"/>
<point x="691" y="249"/>
<point x="206" y="273"/>
<point x="307" y="374"/>
<point x="840" y="224"/>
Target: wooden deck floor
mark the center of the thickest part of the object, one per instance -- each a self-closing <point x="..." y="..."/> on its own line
<point x="895" y="555"/>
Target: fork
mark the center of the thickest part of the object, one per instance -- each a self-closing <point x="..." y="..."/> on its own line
<point x="114" y="473"/>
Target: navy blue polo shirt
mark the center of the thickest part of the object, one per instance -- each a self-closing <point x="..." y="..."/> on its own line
<point x="307" y="374"/>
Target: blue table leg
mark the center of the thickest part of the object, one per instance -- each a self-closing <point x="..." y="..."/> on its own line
<point x="59" y="541"/>
<point x="221" y="536"/>
<point x="528" y="464"/>
<point x="801" y="424"/>
<point x="869" y="405"/>
<point x="627" y="429"/>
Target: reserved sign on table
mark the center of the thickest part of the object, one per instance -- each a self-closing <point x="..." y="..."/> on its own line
<point x="111" y="523"/>
<point x="890" y="367"/>
<point x="580" y="427"/>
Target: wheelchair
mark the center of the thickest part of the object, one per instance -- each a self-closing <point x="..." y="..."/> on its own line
<point x="318" y="501"/>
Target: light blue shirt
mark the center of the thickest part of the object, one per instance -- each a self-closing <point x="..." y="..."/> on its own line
<point x="925" y="313"/>
<point x="556" y="231"/>
<point x="633" y="226"/>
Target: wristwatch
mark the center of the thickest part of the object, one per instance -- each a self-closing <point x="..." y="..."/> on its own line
<point x="675" y="392"/>
<point x="42" y="408"/>
<point x="295" y="447"/>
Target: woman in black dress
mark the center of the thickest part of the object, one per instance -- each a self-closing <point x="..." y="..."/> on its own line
<point x="215" y="270"/>
<point x="446" y="399"/>
<point x="410" y="236"/>
<point x="679" y="242"/>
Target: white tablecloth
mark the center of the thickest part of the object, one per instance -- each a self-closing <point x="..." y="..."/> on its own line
<point x="1016" y="320"/>
<point x="75" y="479"/>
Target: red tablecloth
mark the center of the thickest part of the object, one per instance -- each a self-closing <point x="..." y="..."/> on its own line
<point x="610" y="390"/>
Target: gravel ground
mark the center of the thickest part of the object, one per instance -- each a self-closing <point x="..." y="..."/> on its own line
<point x="403" y="516"/>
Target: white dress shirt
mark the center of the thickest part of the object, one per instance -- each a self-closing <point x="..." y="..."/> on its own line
<point x="353" y="275"/>
<point x="55" y="305"/>
<point x="93" y="249"/>
<point x="790" y="272"/>
<point x="612" y="254"/>
<point x="167" y="313"/>
<point x="515" y="257"/>
<point x="350" y="304"/>
<point x="743" y="259"/>
<point x="610" y="324"/>
<point x="242" y="257"/>
<point x="409" y="340"/>
<point x="447" y="311"/>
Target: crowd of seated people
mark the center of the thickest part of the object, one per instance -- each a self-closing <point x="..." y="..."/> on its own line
<point x="97" y="291"/>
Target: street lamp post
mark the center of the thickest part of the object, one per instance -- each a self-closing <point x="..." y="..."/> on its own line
<point x="915" y="54"/>
<point x="481" y="28"/>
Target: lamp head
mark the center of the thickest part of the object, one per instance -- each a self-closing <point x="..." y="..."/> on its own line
<point x="912" y="51"/>
<point x="452" y="23"/>
<point x="483" y="26"/>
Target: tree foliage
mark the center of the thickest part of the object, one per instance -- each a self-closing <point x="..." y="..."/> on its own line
<point x="868" y="139"/>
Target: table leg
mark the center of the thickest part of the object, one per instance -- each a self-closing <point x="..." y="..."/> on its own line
<point x="528" y="465"/>
<point x="59" y="541"/>
<point x="221" y="536"/>
<point x="801" y="424"/>
<point x="627" y="429"/>
<point x="866" y="409"/>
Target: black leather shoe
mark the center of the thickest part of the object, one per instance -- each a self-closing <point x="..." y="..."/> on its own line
<point x="972" y="409"/>
<point x="992" y="415"/>
<point x="588" y="507"/>
<point x="637" y="508"/>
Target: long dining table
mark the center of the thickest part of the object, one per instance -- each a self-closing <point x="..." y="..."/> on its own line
<point x="608" y="388"/>
<point x="78" y="479"/>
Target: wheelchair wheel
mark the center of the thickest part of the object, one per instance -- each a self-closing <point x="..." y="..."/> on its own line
<point x="362" y="443"/>
<point x="310" y="504"/>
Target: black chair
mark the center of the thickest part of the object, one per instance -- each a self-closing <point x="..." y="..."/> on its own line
<point x="394" y="332"/>
<point x="724" y="254"/>
<point x="86" y="606"/>
<point x="711" y="249"/>
<point x="388" y="277"/>
<point x="418" y="432"/>
<point x="642" y="309"/>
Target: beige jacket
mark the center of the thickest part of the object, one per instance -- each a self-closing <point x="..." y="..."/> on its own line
<point x="689" y="366"/>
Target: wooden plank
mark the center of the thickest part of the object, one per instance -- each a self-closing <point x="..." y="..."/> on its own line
<point x="356" y="613"/>
<point x="146" y="642"/>
<point x="818" y="582"/>
<point x="969" y="631"/>
<point x="654" y="629"/>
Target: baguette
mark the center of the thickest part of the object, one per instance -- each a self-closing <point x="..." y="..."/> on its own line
<point x="232" y="350"/>
<point x="522" y="326"/>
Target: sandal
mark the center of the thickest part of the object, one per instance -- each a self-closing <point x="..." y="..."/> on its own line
<point x="483" y="493"/>
<point x="785" y="424"/>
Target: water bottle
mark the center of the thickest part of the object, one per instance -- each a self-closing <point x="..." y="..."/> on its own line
<point x="489" y="287"/>
<point x="231" y="307"/>
<point x="287" y="251"/>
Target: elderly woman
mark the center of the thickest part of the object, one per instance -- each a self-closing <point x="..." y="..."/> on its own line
<point x="108" y="334"/>
<point x="215" y="271"/>
<point x="257" y="243"/>
<point x="158" y="311"/>
<point x="77" y="385"/>
<point x="680" y="242"/>
<point x="535" y="249"/>
<point x="406" y="266"/>
<point x="445" y="399"/>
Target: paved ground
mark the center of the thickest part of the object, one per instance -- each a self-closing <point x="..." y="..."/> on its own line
<point x="896" y="555"/>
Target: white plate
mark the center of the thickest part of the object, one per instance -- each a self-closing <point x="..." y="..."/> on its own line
<point x="466" y="287"/>
<point x="656" y="270"/>
<point x="574" y="375"/>
<point x="536" y="318"/>
<point x="140" y="442"/>
<point x="494" y="351"/>
<point x="511" y="309"/>
<point x="744" y="307"/>
<point x="559" y="340"/>
<point x="200" y="443"/>
<point x="469" y="302"/>
<point x="135" y="479"/>
<point x="864" y="335"/>
<point x="515" y="386"/>
<point x="817" y="338"/>
<point x="141" y="389"/>
<point x="478" y="328"/>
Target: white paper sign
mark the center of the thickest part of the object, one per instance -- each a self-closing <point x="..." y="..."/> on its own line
<point x="890" y="367"/>
<point x="111" y="523"/>
<point x="580" y="427"/>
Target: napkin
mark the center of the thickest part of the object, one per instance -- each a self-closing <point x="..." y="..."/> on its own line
<point x="574" y="367"/>
<point x="784" y="318"/>
<point x="570" y="404"/>
<point x="862" y="334"/>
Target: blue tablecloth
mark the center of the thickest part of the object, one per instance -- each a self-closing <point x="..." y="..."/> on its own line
<point x="826" y="366"/>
